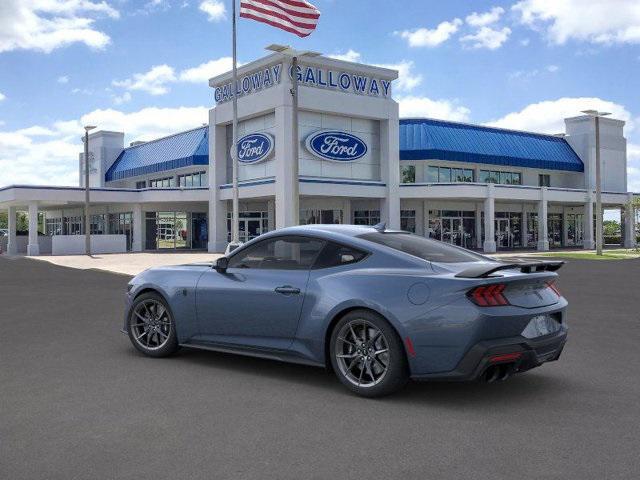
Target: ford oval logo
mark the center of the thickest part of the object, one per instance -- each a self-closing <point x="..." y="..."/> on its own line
<point x="336" y="146"/>
<point x="255" y="147"/>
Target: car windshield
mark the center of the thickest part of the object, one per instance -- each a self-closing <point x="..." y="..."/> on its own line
<point x="425" y="248"/>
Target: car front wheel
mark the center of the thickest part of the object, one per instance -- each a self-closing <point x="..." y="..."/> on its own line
<point x="151" y="327"/>
<point x="367" y="355"/>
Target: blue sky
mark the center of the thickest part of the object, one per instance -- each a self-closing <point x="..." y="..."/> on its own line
<point x="142" y="66"/>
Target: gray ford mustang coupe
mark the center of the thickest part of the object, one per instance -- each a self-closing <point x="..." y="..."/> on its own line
<point x="376" y="306"/>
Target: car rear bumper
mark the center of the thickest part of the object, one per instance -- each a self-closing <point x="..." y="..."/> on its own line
<point x="517" y="353"/>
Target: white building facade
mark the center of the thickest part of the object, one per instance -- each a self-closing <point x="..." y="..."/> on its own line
<point x="477" y="187"/>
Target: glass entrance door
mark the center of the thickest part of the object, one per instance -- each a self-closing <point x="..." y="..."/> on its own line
<point x="504" y="236"/>
<point x="575" y="233"/>
<point x="452" y="231"/>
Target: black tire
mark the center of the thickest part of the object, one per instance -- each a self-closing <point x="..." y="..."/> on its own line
<point x="363" y="324"/>
<point x="161" y="342"/>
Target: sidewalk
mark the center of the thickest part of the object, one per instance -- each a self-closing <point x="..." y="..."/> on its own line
<point x="127" y="263"/>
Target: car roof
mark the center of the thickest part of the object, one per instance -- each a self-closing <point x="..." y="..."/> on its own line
<point x="348" y="230"/>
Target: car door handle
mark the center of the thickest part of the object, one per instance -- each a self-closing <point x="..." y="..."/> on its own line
<point x="288" y="290"/>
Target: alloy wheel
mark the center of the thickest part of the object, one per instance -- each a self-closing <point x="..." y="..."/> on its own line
<point x="362" y="353"/>
<point x="151" y="324"/>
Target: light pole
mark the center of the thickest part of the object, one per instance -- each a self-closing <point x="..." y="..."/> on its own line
<point x="295" y="147"/>
<point x="596" y="115"/>
<point x="87" y="218"/>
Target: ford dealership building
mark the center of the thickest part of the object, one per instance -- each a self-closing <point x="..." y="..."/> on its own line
<point x="474" y="186"/>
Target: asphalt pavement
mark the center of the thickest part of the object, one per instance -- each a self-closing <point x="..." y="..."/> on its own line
<point x="78" y="402"/>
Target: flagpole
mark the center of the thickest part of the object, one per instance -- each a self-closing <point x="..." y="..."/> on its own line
<point x="295" y="206"/>
<point x="235" y="235"/>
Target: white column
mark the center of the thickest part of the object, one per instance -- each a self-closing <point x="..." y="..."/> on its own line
<point x="629" y="224"/>
<point x="489" y="245"/>
<point x="33" y="248"/>
<point x="271" y="213"/>
<point x="219" y="151"/>
<point x="479" y="226"/>
<point x="284" y="165"/>
<point x="588" y="242"/>
<point x="543" y="235"/>
<point x="138" y="228"/>
<point x="565" y="227"/>
<point x="425" y="218"/>
<point x="390" y="165"/>
<point x="524" y="234"/>
<point x="12" y="247"/>
<point x="346" y="214"/>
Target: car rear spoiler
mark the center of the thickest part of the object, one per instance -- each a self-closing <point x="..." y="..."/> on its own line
<point x="484" y="270"/>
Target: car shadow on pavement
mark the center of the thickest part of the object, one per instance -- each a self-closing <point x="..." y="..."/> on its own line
<point x="520" y="389"/>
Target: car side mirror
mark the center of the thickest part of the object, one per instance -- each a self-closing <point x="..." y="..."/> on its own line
<point x="222" y="264"/>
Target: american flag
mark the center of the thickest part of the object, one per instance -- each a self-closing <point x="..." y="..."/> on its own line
<point x="295" y="16"/>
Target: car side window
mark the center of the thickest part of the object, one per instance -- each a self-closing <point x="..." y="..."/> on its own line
<point x="334" y="255"/>
<point x="280" y="253"/>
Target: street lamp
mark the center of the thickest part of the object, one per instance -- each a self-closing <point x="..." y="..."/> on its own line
<point x="596" y="115"/>
<point x="87" y="218"/>
<point x="294" y="55"/>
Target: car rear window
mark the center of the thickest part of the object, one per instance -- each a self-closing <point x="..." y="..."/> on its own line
<point x="425" y="248"/>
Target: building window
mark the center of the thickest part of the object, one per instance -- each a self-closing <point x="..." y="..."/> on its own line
<point x="166" y="182"/>
<point x="408" y="174"/>
<point x="408" y="220"/>
<point x="504" y="178"/>
<point x="250" y="225"/>
<point x="544" y="180"/>
<point x="190" y="180"/>
<point x="447" y="175"/>
<point x="366" y="217"/>
<point x="142" y="184"/>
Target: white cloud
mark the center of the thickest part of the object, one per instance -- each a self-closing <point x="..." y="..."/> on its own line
<point x="154" y="81"/>
<point x="423" y="37"/>
<point x="2" y="96"/>
<point x="525" y="42"/>
<point x="595" y="21"/>
<point x="407" y="78"/>
<point x="63" y="79"/>
<point x="48" y="155"/>
<point x="349" y="56"/>
<point x="529" y="74"/>
<point x="414" y="106"/>
<point x="45" y="25"/>
<point x="120" y="99"/>
<point x="203" y="72"/>
<point x="483" y="19"/>
<point x="548" y="116"/>
<point x="214" y="9"/>
<point x="487" y="37"/>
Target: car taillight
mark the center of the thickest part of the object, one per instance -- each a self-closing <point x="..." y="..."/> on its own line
<point x="552" y="285"/>
<point x="488" y="295"/>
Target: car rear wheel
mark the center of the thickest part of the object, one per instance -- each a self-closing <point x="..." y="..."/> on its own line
<point x="151" y="327"/>
<point x="367" y="355"/>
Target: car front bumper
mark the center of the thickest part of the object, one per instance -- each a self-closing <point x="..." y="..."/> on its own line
<point x="519" y="353"/>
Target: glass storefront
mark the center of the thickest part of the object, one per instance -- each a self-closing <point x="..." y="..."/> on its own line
<point x="321" y="217"/>
<point x="175" y="230"/>
<point x="453" y="226"/>
<point x="366" y="217"/>
<point x="408" y="220"/>
<point x="250" y="225"/>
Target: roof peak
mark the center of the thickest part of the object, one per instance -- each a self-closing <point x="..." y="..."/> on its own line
<point x="147" y="142"/>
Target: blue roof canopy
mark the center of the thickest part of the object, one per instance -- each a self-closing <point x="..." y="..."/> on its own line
<point x="176" y="151"/>
<point x="426" y="139"/>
